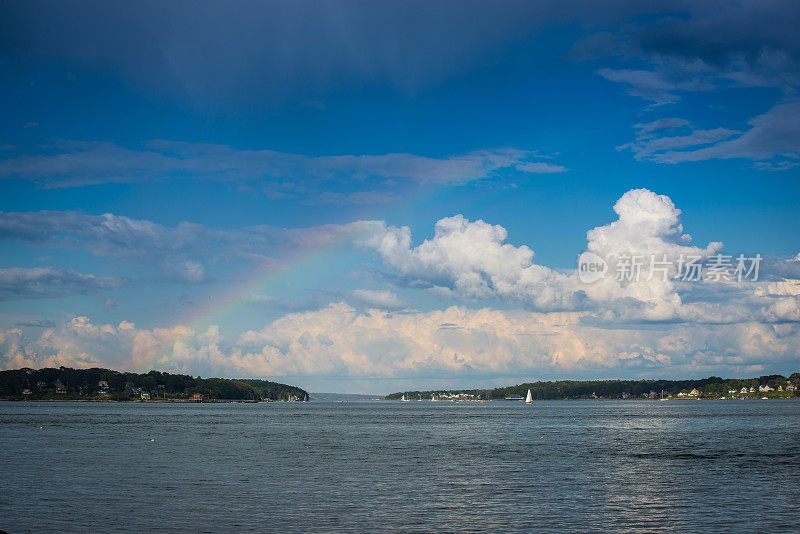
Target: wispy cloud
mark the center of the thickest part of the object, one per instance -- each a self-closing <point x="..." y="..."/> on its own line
<point x="773" y="141"/>
<point x="180" y="253"/>
<point x="279" y="174"/>
<point x="47" y="282"/>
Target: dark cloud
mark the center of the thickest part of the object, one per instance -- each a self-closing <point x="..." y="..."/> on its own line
<point x="212" y="51"/>
<point x="217" y="52"/>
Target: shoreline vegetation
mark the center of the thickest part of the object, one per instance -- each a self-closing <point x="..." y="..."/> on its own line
<point x="96" y="384"/>
<point x="768" y="386"/>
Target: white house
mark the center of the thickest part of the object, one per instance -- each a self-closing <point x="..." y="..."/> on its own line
<point x="752" y="390"/>
<point x="791" y="387"/>
<point x="744" y="390"/>
<point x="694" y="393"/>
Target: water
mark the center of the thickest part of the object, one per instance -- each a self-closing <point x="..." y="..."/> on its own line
<point x="558" y="466"/>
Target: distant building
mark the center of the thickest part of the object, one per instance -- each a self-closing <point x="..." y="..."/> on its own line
<point x="145" y="395"/>
<point x="102" y="384"/>
<point x="26" y="391"/>
<point x="744" y="390"/>
<point x="732" y="391"/>
<point x="61" y="390"/>
<point x="752" y="390"/>
<point x="780" y="388"/>
<point x="791" y="387"/>
<point x="694" y="393"/>
<point x="197" y="397"/>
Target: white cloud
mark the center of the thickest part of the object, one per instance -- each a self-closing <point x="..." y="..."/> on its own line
<point x="474" y="260"/>
<point x="338" y="341"/>
<point x="566" y="327"/>
<point x="648" y="226"/>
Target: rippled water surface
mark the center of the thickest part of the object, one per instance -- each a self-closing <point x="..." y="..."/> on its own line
<point x="559" y="466"/>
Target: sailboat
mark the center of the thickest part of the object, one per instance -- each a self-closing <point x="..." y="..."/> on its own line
<point x="529" y="398"/>
<point x="404" y="399"/>
<point x="433" y="398"/>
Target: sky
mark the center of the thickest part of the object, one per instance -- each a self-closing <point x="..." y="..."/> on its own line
<point x="366" y="197"/>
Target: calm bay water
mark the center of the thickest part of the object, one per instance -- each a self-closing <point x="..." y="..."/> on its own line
<point x="558" y="466"/>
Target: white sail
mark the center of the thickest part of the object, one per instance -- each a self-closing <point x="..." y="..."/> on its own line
<point x="404" y="399"/>
<point x="529" y="398"/>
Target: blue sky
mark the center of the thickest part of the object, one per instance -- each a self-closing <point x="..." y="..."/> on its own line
<point x="213" y="190"/>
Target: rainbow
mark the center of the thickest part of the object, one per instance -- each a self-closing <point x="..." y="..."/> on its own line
<point x="299" y="266"/>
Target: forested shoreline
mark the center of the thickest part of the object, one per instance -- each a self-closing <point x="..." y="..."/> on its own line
<point x="712" y="387"/>
<point x="65" y="383"/>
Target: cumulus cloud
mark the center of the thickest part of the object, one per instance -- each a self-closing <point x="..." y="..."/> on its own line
<point x="341" y="342"/>
<point x="281" y="174"/>
<point x="46" y="282"/>
<point x="561" y="325"/>
<point x="472" y="260"/>
<point x="648" y="226"/>
<point x="80" y="343"/>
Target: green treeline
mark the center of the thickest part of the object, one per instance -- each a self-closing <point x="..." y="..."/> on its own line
<point x="711" y="387"/>
<point x="102" y="384"/>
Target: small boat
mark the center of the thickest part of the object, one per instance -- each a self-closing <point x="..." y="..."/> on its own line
<point x="529" y="398"/>
<point x="433" y="398"/>
<point x="404" y="399"/>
